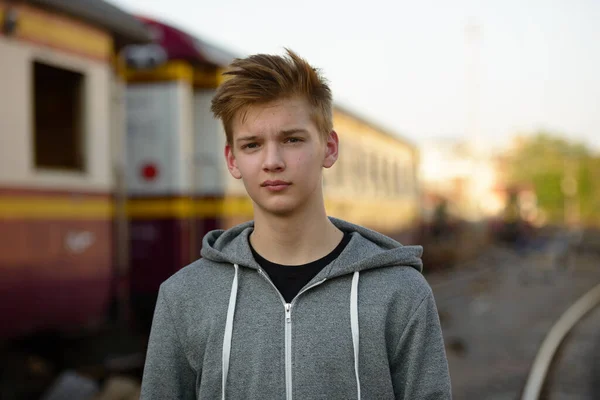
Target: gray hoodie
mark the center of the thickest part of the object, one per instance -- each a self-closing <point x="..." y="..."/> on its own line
<point x="366" y="327"/>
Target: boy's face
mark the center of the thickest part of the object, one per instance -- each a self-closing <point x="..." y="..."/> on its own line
<point x="279" y="154"/>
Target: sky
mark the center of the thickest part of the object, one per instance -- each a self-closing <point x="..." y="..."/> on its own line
<point x="429" y="69"/>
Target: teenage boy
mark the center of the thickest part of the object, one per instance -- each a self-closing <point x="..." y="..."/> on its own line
<point x="294" y="304"/>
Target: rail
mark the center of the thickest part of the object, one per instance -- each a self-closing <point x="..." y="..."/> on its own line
<point x="561" y="328"/>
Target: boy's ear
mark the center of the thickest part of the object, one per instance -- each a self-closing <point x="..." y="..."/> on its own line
<point x="331" y="149"/>
<point x="232" y="163"/>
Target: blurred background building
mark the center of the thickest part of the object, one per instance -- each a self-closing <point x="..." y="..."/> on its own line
<point x="467" y="179"/>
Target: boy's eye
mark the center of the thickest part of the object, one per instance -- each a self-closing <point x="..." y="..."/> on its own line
<point x="250" y="146"/>
<point x="293" y="140"/>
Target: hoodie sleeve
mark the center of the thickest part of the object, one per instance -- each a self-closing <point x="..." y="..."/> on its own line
<point x="167" y="372"/>
<point x="420" y="368"/>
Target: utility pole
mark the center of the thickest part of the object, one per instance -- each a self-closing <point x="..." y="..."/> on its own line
<point x="473" y="38"/>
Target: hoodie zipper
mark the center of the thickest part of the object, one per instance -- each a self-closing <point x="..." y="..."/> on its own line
<point x="288" y="332"/>
<point x="288" y="351"/>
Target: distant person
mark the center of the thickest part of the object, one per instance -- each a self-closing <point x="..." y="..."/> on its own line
<point x="295" y="304"/>
<point x="440" y="219"/>
<point x="512" y="222"/>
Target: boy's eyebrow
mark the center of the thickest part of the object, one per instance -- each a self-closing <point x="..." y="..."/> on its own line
<point x="292" y="131"/>
<point x="246" y="138"/>
<point x="285" y="132"/>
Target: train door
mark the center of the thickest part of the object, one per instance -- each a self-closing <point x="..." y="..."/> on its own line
<point x="158" y="177"/>
<point x="120" y="290"/>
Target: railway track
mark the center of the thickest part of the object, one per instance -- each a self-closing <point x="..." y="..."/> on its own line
<point x="495" y="315"/>
<point x="567" y="365"/>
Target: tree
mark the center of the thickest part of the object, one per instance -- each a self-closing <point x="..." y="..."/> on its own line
<point x="565" y="176"/>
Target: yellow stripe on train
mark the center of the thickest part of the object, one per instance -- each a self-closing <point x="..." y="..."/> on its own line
<point x="62" y="32"/>
<point x="381" y="213"/>
<point x="55" y="208"/>
<point x="186" y="208"/>
<point x="48" y="207"/>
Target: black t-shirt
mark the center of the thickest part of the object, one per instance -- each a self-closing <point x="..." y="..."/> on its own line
<point x="290" y="279"/>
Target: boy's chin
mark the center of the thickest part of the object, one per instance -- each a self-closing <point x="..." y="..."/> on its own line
<point x="279" y="210"/>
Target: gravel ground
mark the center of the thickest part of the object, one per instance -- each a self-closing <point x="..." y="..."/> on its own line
<point x="496" y="313"/>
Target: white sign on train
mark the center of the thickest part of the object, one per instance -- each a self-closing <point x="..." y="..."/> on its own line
<point x="156" y="130"/>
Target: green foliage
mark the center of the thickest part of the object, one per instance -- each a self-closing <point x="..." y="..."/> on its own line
<point x="589" y="190"/>
<point x="544" y="161"/>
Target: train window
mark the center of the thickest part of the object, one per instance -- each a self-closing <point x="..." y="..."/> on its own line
<point x="364" y="172"/>
<point x="396" y="173"/>
<point x="406" y="179"/>
<point x="400" y="177"/>
<point x="391" y="177"/>
<point x="374" y="172"/>
<point x="410" y="178"/>
<point x="385" y="177"/>
<point x="382" y="176"/>
<point x="359" y="167"/>
<point x="58" y="117"/>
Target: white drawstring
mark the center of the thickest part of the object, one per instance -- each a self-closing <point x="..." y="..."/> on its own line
<point x="229" y="330"/>
<point x="354" y="326"/>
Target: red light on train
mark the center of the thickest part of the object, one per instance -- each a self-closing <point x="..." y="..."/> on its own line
<point x="149" y="172"/>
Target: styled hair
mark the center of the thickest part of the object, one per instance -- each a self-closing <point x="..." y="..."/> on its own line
<point x="263" y="78"/>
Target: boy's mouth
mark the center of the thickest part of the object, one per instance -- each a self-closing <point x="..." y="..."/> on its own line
<point x="275" y="186"/>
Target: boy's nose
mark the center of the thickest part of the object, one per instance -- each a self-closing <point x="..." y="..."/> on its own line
<point x="273" y="158"/>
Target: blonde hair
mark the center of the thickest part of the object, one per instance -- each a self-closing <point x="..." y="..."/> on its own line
<point x="263" y="78"/>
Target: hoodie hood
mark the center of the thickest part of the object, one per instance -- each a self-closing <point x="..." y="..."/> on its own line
<point x="366" y="250"/>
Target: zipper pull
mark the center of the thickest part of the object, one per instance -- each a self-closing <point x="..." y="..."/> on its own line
<point x="288" y="316"/>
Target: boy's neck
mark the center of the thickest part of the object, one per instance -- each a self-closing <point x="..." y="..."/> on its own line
<point x="295" y="240"/>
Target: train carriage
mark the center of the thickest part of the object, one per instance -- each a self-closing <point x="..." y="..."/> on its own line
<point x="58" y="127"/>
<point x="176" y="182"/>
<point x="374" y="181"/>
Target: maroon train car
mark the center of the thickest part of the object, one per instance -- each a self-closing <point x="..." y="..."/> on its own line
<point x="58" y="128"/>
